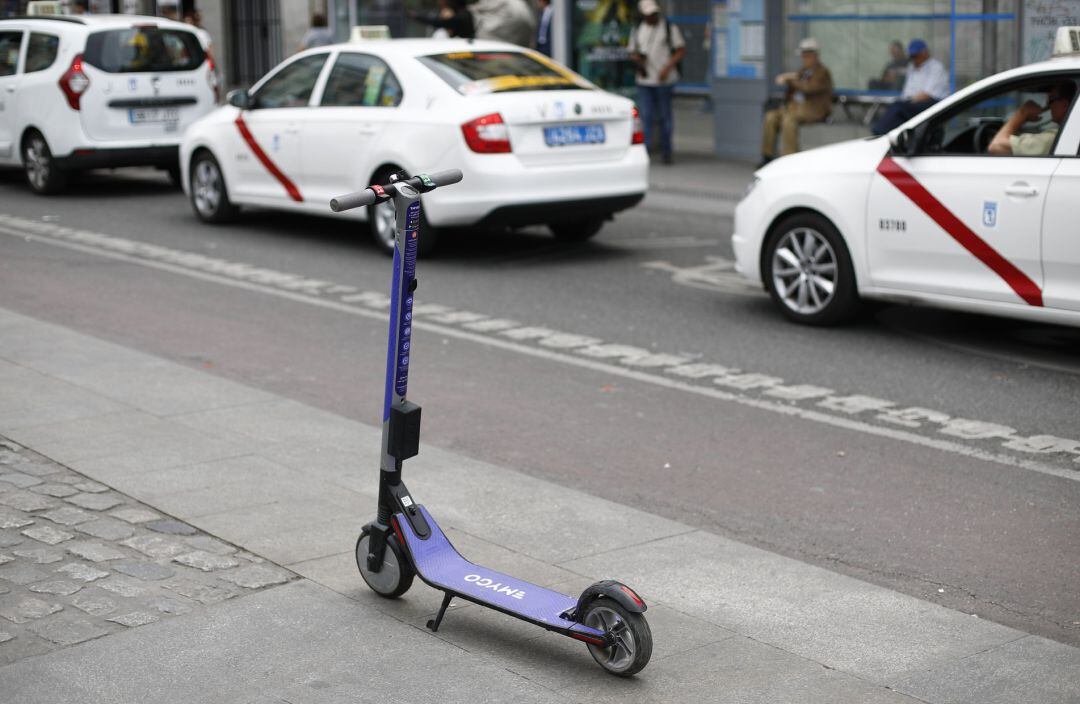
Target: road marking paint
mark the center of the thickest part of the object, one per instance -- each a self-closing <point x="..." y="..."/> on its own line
<point x="717" y="274"/>
<point x="965" y="437"/>
<point x="955" y="228"/>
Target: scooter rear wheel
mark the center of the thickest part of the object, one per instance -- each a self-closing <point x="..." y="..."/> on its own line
<point x="633" y="639"/>
<point x="396" y="575"/>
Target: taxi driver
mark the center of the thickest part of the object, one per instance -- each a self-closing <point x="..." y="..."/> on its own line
<point x="1008" y="141"/>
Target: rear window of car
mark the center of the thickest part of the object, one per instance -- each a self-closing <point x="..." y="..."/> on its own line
<point x="139" y="49"/>
<point x="483" y="72"/>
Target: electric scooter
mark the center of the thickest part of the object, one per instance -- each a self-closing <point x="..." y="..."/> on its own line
<point x="404" y="540"/>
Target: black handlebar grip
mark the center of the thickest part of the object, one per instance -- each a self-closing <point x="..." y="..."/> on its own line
<point x="353" y="200"/>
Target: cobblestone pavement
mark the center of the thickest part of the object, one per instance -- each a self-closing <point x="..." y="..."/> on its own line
<point x="80" y="561"/>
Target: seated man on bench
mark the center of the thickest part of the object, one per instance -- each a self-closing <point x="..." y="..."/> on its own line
<point x="808" y="98"/>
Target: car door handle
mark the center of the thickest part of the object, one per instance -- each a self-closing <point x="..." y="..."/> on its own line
<point x="11" y="89"/>
<point x="292" y="130"/>
<point x="1021" y="189"/>
<point x="367" y="129"/>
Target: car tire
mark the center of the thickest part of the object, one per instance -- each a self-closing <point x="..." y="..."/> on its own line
<point x="209" y="194"/>
<point x="808" y="272"/>
<point x="175" y="177"/>
<point x="577" y="230"/>
<point x="382" y="224"/>
<point x="42" y="174"/>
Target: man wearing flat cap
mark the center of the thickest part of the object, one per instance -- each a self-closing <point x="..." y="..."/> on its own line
<point x="926" y="83"/>
<point x="807" y="98"/>
<point x="656" y="49"/>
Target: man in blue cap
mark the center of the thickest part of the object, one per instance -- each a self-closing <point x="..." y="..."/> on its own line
<point x="926" y="83"/>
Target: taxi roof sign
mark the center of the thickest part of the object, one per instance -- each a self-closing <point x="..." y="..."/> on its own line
<point x="368" y="32"/>
<point x="44" y="7"/>
<point x="1067" y="41"/>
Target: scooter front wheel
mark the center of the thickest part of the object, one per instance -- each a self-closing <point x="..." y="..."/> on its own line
<point x="633" y="639"/>
<point x="396" y="575"/>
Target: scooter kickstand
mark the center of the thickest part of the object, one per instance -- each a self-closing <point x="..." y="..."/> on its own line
<point x="434" y="624"/>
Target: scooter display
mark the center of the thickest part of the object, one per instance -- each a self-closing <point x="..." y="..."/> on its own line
<point x="405" y="541"/>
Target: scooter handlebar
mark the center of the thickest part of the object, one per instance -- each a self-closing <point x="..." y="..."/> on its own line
<point x="368" y="196"/>
<point x="353" y="200"/>
<point x="445" y="178"/>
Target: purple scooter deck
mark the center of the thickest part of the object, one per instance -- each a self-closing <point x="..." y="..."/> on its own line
<point x="441" y="566"/>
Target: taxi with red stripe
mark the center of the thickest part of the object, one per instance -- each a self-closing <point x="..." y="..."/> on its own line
<point x="970" y="205"/>
<point x="538" y="144"/>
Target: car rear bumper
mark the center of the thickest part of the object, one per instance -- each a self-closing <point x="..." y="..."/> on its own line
<point x="499" y="190"/>
<point x="559" y="211"/>
<point x="90" y="158"/>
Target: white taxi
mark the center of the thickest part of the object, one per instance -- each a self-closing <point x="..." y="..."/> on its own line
<point x="970" y="205"/>
<point x="537" y="143"/>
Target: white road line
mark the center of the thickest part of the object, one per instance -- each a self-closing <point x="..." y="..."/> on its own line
<point x="585" y="352"/>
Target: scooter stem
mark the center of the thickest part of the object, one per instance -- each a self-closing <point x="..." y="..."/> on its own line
<point x="403" y="284"/>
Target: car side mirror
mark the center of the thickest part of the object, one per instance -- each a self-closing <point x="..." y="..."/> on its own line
<point x="901" y="141"/>
<point x="906" y="141"/>
<point x="240" y="99"/>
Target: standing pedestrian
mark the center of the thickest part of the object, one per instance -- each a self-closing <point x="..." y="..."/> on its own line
<point x="926" y="82"/>
<point x="318" y="35"/>
<point x="656" y="48"/>
<point x="505" y="20"/>
<point x="543" y="28"/>
<point x="452" y="19"/>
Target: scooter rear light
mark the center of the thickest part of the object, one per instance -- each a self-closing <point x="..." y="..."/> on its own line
<point x="587" y="639"/>
<point x="74" y="82"/>
<point x="639" y="129"/>
<point x="487" y="134"/>
<point x="630" y="593"/>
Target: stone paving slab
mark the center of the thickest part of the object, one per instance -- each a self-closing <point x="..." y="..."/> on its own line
<point x="298" y="642"/>
<point x="1025" y="670"/>
<point x="72" y="574"/>
<point x="839" y="621"/>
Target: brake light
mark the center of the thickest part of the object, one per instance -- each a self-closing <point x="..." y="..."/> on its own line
<point x="639" y="129"/>
<point x="74" y="82"/>
<point x="487" y="134"/>
<point x="212" y="77"/>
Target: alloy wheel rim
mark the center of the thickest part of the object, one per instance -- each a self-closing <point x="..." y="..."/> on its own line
<point x="804" y="271"/>
<point x="620" y="655"/>
<point x="37" y="163"/>
<point x="386" y="580"/>
<point x="206" y="187"/>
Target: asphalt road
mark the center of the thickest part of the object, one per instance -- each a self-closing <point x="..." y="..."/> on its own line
<point x="934" y="456"/>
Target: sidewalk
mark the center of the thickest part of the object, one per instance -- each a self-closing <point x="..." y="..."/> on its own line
<point x="259" y="477"/>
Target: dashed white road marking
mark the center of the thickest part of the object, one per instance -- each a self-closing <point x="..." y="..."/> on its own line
<point x="966" y="437"/>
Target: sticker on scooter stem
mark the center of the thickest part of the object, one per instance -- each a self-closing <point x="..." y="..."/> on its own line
<point x="412" y="223"/>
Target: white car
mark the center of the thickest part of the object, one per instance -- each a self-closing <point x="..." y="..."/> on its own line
<point x="99" y="91"/>
<point x="927" y="213"/>
<point x="537" y="143"/>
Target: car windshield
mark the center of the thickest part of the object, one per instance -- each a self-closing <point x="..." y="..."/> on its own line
<point x="483" y="72"/>
<point x="138" y="49"/>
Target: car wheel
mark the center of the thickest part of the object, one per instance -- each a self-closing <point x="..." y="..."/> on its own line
<point x="209" y="196"/>
<point x="42" y="174"/>
<point x="382" y="223"/>
<point x="577" y="230"/>
<point x="808" y="271"/>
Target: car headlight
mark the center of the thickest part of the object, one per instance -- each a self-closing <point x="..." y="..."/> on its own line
<point x="751" y="186"/>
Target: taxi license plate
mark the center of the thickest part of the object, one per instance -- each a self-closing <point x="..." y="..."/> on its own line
<point x="567" y="135"/>
<point x="143" y="115"/>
